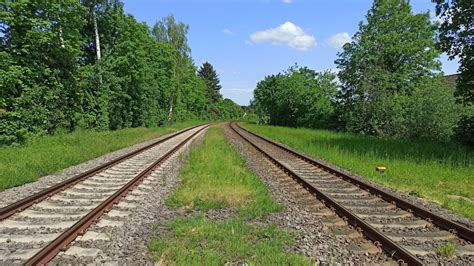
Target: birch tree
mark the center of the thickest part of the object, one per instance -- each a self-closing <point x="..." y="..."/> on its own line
<point x="168" y="30"/>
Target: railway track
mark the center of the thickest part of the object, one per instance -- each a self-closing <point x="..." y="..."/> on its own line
<point x="34" y="230"/>
<point x="408" y="233"/>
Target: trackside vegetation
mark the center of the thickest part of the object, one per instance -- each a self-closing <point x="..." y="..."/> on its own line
<point x="67" y="65"/>
<point x="48" y="154"/>
<point x="199" y="241"/>
<point x="389" y="81"/>
<point x="440" y="172"/>
<point x="216" y="177"/>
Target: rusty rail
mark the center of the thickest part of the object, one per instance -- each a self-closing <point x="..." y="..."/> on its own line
<point x="446" y="224"/>
<point x="52" y="249"/>
<point x="11" y="209"/>
<point x="389" y="246"/>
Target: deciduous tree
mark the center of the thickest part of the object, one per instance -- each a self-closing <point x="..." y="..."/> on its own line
<point x="392" y="56"/>
<point x="168" y="30"/>
<point x="40" y="50"/>
<point x="457" y="40"/>
<point x="298" y="97"/>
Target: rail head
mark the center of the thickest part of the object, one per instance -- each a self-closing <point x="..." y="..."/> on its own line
<point x="444" y="223"/>
<point x="48" y="252"/>
<point x="22" y="204"/>
<point x="370" y="232"/>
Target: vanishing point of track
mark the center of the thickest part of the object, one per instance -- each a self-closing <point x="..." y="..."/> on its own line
<point x="83" y="199"/>
<point x="402" y="229"/>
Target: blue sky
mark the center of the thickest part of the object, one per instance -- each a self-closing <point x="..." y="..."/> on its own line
<point x="245" y="40"/>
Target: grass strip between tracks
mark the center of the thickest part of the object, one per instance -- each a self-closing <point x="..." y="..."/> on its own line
<point x="48" y="154"/>
<point x="439" y="172"/>
<point x="215" y="177"/>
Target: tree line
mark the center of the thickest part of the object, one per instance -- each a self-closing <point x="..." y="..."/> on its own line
<point x="389" y="80"/>
<point x="86" y="64"/>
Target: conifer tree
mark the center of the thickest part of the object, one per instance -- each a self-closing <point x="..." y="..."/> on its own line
<point x="207" y="72"/>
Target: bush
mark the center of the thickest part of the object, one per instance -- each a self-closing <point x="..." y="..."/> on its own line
<point x="465" y="129"/>
<point x="429" y="113"/>
<point x="11" y="130"/>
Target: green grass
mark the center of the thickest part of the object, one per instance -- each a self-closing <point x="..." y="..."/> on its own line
<point x="217" y="177"/>
<point x="201" y="242"/>
<point x="48" y="154"/>
<point x="426" y="169"/>
<point x="447" y="250"/>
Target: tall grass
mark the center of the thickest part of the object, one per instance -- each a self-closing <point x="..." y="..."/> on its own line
<point x="434" y="171"/>
<point x="48" y="154"/>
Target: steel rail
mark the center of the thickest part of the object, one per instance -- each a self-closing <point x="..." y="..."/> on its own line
<point x="22" y="204"/>
<point x="388" y="245"/>
<point x="444" y="223"/>
<point x="60" y="243"/>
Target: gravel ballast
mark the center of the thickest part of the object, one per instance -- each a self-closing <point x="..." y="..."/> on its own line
<point x="431" y="206"/>
<point x="12" y="195"/>
<point x="127" y="243"/>
<point x="314" y="239"/>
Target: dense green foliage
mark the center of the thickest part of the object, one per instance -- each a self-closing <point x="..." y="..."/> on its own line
<point x="297" y="97"/>
<point x="39" y="56"/>
<point x="439" y="172"/>
<point x="86" y="64"/>
<point x="456" y="39"/>
<point x="390" y="83"/>
<point x="207" y="72"/>
<point x="44" y="155"/>
<point x="223" y="109"/>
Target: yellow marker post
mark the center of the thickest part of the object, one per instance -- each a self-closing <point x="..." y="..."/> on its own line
<point x="381" y="169"/>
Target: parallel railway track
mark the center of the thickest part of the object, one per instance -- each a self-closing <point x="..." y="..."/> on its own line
<point x="51" y="219"/>
<point x="403" y="230"/>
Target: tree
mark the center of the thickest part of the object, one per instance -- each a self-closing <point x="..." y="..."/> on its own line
<point x="87" y="64"/>
<point x="391" y="57"/>
<point x="169" y="31"/>
<point x="456" y="39"/>
<point x="227" y="109"/>
<point x="40" y="50"/>
<point x="207" y="72"/>
<point x="298" y="97"/>
<point x="101" y="35"/>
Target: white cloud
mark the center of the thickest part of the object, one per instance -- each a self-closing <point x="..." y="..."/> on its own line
<point x="228" y="32"/>
<point x="339" y="39"/>
<point x="287" y="1"/>
<point x="288" y="34"/>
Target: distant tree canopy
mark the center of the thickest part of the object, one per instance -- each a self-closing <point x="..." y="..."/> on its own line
<point x="297" y="97"/>
<point x="207" y="72"/>
<point x="390" y="83"/>
<point x="87" y="64"/>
